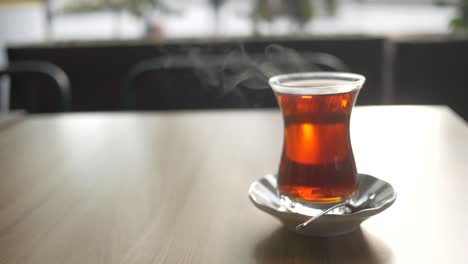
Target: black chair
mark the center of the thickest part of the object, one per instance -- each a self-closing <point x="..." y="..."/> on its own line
<point x="162" y="84"/>
<point x="212" y="82"/>
<point x="28" y="72"/>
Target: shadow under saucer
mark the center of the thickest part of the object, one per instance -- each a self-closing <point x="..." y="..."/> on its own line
<point x="283" y="246"/>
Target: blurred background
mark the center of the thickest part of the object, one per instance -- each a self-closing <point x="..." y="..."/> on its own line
<point x="110" y="55"/>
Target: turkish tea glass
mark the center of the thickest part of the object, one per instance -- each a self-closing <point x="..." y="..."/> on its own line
<point x="317" y="162"/>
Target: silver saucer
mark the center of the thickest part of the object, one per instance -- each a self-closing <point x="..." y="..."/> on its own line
<point x="265" y="196"/>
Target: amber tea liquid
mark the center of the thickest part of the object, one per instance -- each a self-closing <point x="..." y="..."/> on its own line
<point x="317" y="163"/>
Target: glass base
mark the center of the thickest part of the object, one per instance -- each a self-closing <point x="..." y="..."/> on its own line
<point x="306" y="207"/>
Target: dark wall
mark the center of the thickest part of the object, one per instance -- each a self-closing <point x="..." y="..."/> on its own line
<point x="432" y="72"/>
<point x="97" y="71"/>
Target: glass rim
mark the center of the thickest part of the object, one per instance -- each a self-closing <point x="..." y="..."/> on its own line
<point x="351" y="81"/>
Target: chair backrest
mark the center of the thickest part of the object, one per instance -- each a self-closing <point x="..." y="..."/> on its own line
<point x="167" y="83"/>
<point x="23" y="70"/>
<point x="206" y="82"/>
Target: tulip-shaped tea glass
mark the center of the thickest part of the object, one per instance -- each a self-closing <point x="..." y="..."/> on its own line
<point x="317" y="163"/>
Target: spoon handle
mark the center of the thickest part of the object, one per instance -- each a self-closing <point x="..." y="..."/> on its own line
<point x="313" y="218"/>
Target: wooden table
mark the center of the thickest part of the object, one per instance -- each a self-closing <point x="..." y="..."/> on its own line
<point x="172" y="188"/>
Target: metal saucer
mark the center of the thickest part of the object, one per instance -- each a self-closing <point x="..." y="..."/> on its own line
<point x="264" y="195"/>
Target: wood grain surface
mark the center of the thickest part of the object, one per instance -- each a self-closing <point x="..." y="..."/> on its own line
<point x="172" y="188"/>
